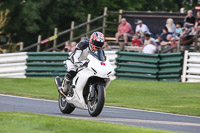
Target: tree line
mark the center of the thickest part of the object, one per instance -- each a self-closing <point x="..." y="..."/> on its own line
<point x="25" y="19"/>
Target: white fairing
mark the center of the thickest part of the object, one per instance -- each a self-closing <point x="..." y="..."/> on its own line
<point x="95" y="68"/>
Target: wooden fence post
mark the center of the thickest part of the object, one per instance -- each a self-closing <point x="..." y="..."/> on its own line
<point x="88" y="25"/>
<point x="120" y="15"/>
<point x="72" y="32"/>
<point x="21" y="46"/>
<point x="104" y="20"/>
<point x="38" y="45"/>
<point x="55" y="40"/>
<point x="178" y="46"/>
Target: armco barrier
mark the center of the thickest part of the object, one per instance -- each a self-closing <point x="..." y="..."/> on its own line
<point x="46" y="64"/>
<point x="50" y="64"/>
<point x="191" y="67"/>
<point x="170" y="67"/>
<point x="136" y="66"/>
<point x="13" y="65"/>
<point x="140" y="66"/>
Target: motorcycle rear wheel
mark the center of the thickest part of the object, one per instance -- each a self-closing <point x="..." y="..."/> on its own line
<point x="96" y="105"/>
<point x="64" y="106"/>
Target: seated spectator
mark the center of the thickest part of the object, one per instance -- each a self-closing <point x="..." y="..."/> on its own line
<point x="187" y="33"/>
<point x="167" y="42"/>
<point x="170" y="26"/>
<point x="164" y="34"/>
<point x="124" y="30"/>
<point x="136" y="41"/>
<point x="158" y="40"/>
<point x="190" y="18"/>
<point x="150" y="48"/>
<point x="186" y="37"/>
<point x="173" y="42"/>
<point x="148" y="38"/>
<point x="178" y="29"/>
<point x="197" y="24"/>
<point x="141" y="29"/>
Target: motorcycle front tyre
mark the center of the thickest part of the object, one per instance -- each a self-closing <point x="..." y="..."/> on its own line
<point x="95" y="107"/>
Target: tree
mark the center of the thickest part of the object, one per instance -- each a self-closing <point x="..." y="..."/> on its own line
<point x="28" y="18"/>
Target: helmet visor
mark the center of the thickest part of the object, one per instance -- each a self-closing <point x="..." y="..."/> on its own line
<point x="98" y="44"/>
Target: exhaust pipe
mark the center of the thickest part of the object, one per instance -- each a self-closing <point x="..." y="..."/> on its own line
<point x="58" y="85"/>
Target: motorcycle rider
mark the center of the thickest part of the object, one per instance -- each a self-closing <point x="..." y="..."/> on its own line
<point x="78" y="57"/>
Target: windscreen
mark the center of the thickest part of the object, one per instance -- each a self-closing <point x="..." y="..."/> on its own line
<point x="99" y="54"/>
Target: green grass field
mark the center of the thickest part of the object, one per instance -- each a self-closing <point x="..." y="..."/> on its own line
<point x="12" y="122"/>
<point x="174" y="97"/>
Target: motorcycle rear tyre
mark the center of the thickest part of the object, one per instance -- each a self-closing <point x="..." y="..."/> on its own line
<point x="64" y="106"/>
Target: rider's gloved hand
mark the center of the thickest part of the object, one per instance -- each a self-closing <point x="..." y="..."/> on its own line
<point x="85" y="64"/>
<point x="78" y="64"/>
<point x="65" y="64"/>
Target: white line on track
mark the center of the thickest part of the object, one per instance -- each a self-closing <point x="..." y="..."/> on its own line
<point x="37" y="99"/>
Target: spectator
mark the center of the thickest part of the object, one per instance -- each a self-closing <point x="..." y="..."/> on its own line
<point x="164" y="34"/>
<point x="148" y="38"/>
<point x="178" y="29"/>
<point x="170" y="26"/>
<point x="173" y="42"/>
<point x="158" y="40"/>
<point x="125" y="30"/>
<point x="190" y="18"/>
<point x="55" y="50"/>
<point x="136" y="41"/>
<point x="167" y="42"/>
<point x="67" y="47"/>
<point x="197" y="24"/>
<point x="73" y="46"/>
<point x="187" y="33"/>
<point x="141" y="29"/>
<point x="106" y="46"/>
<point x="150" y="48"/>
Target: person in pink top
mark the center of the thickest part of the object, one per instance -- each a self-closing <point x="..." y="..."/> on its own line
<point x="124" y="30"/>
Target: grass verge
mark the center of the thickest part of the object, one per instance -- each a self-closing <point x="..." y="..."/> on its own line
<point x="35" y="123"/>
<point x="174" y="97"/>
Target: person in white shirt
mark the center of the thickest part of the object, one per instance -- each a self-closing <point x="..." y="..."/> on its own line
<point x="149" y="48"/>
<point x="141" y="29"/>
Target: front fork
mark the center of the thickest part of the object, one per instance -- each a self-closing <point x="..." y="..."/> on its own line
<point x="91" y="92"/>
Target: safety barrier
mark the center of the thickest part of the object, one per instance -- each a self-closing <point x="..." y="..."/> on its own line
<point x="50" y="64"/>
<point x="136" y="66"/>
<point x="191" y="67"/>
<point x="130" y="65"/>
<point x="13" y="65"/>
<point x="46" y="64"/>
<point x="170" y="67"/>
<point x="140" y="66"/>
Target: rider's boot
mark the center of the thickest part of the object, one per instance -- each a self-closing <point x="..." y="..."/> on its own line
<point x="65" y="82"/>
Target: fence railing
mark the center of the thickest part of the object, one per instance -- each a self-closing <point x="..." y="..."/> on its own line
<point x="71" y="31"/>
<point x="188" y="44"/>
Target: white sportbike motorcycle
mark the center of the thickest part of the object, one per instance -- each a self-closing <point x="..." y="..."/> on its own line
<point x="88" y="87"/>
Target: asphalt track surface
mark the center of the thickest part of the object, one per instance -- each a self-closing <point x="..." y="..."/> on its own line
<point x="134" y="117"/>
